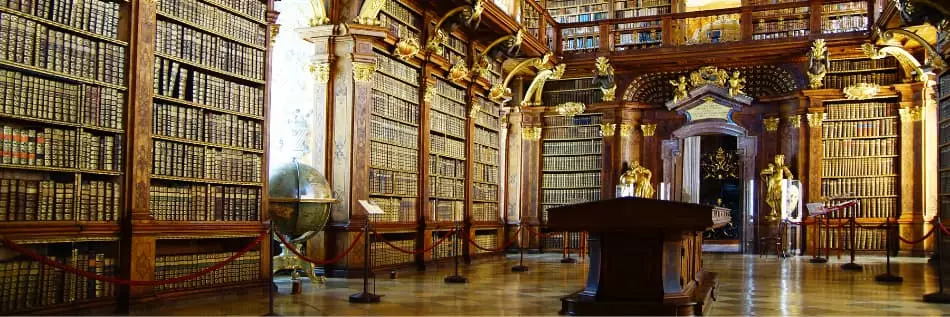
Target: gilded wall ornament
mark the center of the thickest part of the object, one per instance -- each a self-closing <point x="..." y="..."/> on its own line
<point x="363" y="72"/>
<point x="369" y="11"/>
<point x="815" y="119"/>
<point x="604" y="78"/>
<point x="609" y="94"/>
<point x="907" y="61"/>
<point x="818" y="64"/>
<point x="458" y="72"/>
<point x="794" y="121"/>
<point x="570" y="109"/>
<point x="499" y="93"/>
<point x="319" y="13"/>
<point x="429" y="92"/>
<point x="861" y="91"/>
<point x="531" y="133"/>
<point x="680" y="92"/>
<point x="608" y="129"/>
<point x="320" y="71"/>
<point x="406" y="48"/>
<point x="648" y="129"/>
<point x="736" y="84"/>
<point x="473" y="110"/>
<point x="532" y="95"/>
<point x="771" y="124"/>
<point x="711" y="75"/>
<point x="435" y="43"/>
<point x="626" y="129"/>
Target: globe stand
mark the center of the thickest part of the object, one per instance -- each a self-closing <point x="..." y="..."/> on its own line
<point x="887" y="277"/>
<point x="457" y="278"/>
<point x="365" y="297"/>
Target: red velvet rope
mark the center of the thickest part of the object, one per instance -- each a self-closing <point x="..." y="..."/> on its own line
<point x="919" y="240"/>
<point x="108" y="279"/>
<point x="505" y="246"/>
<point x="943" y="228"/>
<point x="539" y="234"/>
<point x="333" y="260"/>
<point x="380" y="236"/>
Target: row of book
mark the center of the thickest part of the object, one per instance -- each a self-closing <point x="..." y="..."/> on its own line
<point x="944" y="179"/>
<point x="944" y="132"/>
<point x="881" y="186"/>
<point x="867" y="128"/>
<point x="945" y="156"/>
<point x="587" y="97"/>
<point x="94" y="16"/>
<point x="49" y="147"/>
<point x="844" y="7"/>
<point x="36" y="97"/>
<point x="840" y="81"/>
<point x="844" y="24"/>
<point x="383" y="182"/>
<point x="485" y="173"/>
<point x="179" y="81"/>
<point x="450" y="125"/>
<point x="456" y="94"/>
<point x="397" y="28"/>
<point x="446" y="188"/>
<point x="484" y="154"/>
<point x="575" y="120"/>
<point x="638" y="25"/>
<point x="780" y="14"/>
<point x="847" y="111"/>
<point x="640" y="37"/>
<point x="572" y="163"/>
<point x="382" y="155"/>
<point x="781" y="34"/>
<point x="487" y="121"/>
<point x="487" y="240"/>
<point x="445" y="211"/>
<point x="486" y="137"/>
<point x="625" y="4"/>
<point x="859" y="167"/>
<point x="580" y="43"/>
<point x="851" y="148"/>
<point x="880" y="207"/>
<point x="252" y="8"/>
<point x="569" y="196"/>
<point x="864" y="239"/>
<point x="395" y="210"/>
<point x="49" y="200"/>
<point x="396" y="88"/>
<point x="861" y="64"/>
<point x="34" y="44"/>
<point x="446" y="146"/>
<point x="589" y="179"/>
<point x="485" y="212"/>
<point x="27" y="284"/>
<point x="192" y="124"/>
<point x="394" y="67"/>
<point x="642" y="12"/>
<point x="446" y="167"/>
<point x="245" y="268"/>
<point x="209" y="50"/>
<point x="397" y="133"/>
<point x="204" y="203"/>
<point x="798" y="27"/>
<point x="573" y="147"/>
<point x="191" y="161"/>
<point x="383" y="255"/>
<point x="214" y="19"/>
<point x="590" y="131"/>
<point x="567" y="84"/>
<point x="394" y="108"/>
<point x="100" y="152"/>
<point x="449" y="248"/>
<point x="765" y="2"/>
<point x="571" y="15"/>
<point x="571" y="240"/>
<point x="485" y="192"/>
<point x="944" y="86"/>
<point x="455" y="50"/>
<point x="558" y="4"/>
<point x="448" y="105"/>
<point x="401" y="12"/>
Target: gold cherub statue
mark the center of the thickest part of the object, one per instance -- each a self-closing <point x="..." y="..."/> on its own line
<point x="774" y="174"/>
<point x="736" y="84"/>
<point x="640" y="177"/>
<point x="681" y="93"/>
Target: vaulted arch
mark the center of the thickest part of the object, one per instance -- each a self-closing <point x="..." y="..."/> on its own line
<point x="761" y="81"/>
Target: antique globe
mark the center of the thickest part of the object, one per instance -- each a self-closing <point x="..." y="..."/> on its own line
<point x="300" y="200"/>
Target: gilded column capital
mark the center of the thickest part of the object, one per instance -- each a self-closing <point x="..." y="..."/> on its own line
<point x="815" y="119"/>
<point x="608" y="129"/>
<point x="771" y="124"/>
<point x="794" y="121"/>
<point x="911" y="114"/>
<point x="320" y="71"/>
<point x="648" y="129"/>
<point x="274" y="30"/>
<point x="363" y="72"/>
<point x="531" y="133"/>
<point x="626" y="129"/>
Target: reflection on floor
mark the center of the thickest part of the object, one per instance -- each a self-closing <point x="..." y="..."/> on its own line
<point x="750" y="285"/>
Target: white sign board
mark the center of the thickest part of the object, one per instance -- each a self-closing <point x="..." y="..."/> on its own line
<point x="371" y="208"/>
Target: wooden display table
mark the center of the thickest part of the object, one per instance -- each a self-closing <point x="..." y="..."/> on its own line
<point x="646" y="256"/>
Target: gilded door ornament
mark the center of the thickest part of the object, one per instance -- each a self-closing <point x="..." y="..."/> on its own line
<point x="320" y="71"/>
<point x="608" y="129"/>
<point x="363" y="72"/>
<point x="774" y="174"/>
<point x="721" y="164"/>
<point x="815" y="119"/>
<point x="531" y="133"/>
<point x="736" y="84"/>
<point x="818" y="64"/>
<point x="861" y="91"/>
<point x="639" y="177"/>
<point x="369" y="11"/>
<point x="771" y="124"/>
<point x="648" y="129"/>
<point x="570" y="109"/>
<point x="709" y="75"/>
<point x="406" y="48"/>
<point x="604" y="78"/>
<point x="794" y="121"/>
<point x="319" y="13"/>
<point x="626" y="129"/>
<point x="681" y="92"/>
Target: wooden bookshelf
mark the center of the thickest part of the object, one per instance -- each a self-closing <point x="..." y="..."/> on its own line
<point x="781" y="23"/>
<point x="844" y="17"/>
<point x="486" y="155"/>
<point x="581" y="90"/>
<point x="851" y="71"/>
<point x="448" y="136"/>
<point x="570" y="179"/>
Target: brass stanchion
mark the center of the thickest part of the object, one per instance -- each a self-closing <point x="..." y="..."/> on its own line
<point x="457" y="278"/>
<point x="520" y="267"/>
<point x="365" y="296"/>
<point x="566" y="256"/>
<point x="816" y="257"/>
<point x="851" y="266"/>
<point x="887" y="277"/>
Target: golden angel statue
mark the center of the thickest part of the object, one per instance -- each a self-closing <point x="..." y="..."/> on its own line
<point x="774" y="174"/>
<point x="736" y="84"/>
<point x="680" y="93"/>
<point x="639" y="177"/>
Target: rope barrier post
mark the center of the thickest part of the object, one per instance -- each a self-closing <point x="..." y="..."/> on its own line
<point x="851" y="266"/>
<point x="271" y="289"/>
<point x="816" y="257"/>
<point x="457" y="278"/>
<point x="365" y="296"/>
<point x="888" y="277"/>
<point x="520" y="267"/>
<point x="566" y="256"/>
<point x="941" y="296"/>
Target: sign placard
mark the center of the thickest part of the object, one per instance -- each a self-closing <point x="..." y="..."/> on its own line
<point x="371" y="208"/>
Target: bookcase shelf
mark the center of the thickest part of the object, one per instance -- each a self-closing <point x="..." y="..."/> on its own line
<point x="63" y="27"/>
<point x="210" y="69"/>
<point x="258" y="20"/>
<point x="859" y="176"/>
<point x="206" y="107"/>
<point x="864" y="137"/>
<point x="205" y="181"/>
<point x="57" y="75"/>
<point x="566" y="177"/>
<point x="208" y="144"/>
<point x="192" y="25"/>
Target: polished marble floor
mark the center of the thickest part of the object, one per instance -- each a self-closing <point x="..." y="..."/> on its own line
<point x="749" y="285"/>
